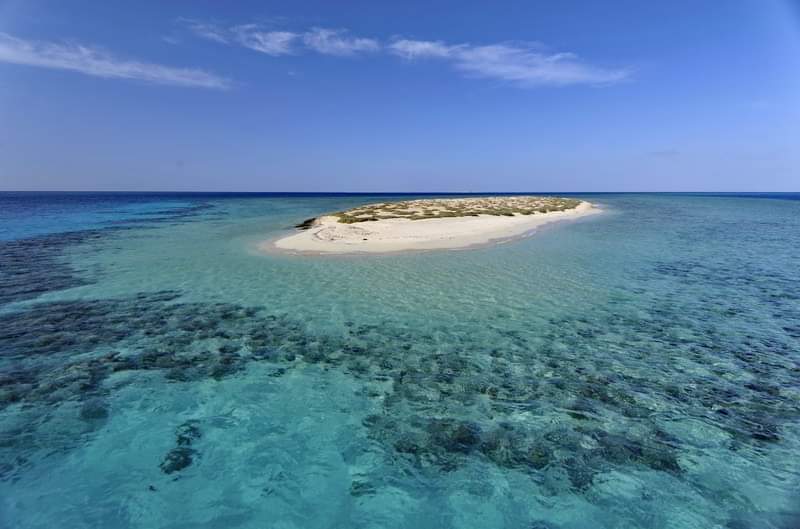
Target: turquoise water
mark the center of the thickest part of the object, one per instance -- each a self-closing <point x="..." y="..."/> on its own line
<point x="639" y="368"/>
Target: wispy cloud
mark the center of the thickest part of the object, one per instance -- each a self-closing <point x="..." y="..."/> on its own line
<point x="270" y="42"/>
<point x="337" y="42"/>
<point x="526" y="65"/>
<point x="205" y="30"/>
<point x="522" y="64"/>
<point x="91" y="61"/>
<point x="420" y="49"/>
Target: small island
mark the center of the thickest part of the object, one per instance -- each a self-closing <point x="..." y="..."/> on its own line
<point x="428" y="224"/>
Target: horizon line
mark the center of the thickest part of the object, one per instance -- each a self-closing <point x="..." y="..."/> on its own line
<point x="66" y="191"/>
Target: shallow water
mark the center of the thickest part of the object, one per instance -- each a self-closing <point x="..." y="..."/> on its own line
<point x="639" y="368"/>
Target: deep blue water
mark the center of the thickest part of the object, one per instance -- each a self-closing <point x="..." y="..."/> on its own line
<point x="25" y="214"/>
<point x="639" y="368"/>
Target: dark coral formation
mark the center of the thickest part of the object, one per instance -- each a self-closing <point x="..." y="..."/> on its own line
<point x="33" y="266"/>
<point x="183" y="455"/>
<point x="445" y="399"/>
<point x="441" y="406"/>
<point x="158" y="333"/>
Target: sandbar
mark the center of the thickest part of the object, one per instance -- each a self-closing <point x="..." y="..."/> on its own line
<point x="346" y="232"/>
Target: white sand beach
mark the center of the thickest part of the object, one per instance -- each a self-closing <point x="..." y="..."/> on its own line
<point x="330" y="236"/>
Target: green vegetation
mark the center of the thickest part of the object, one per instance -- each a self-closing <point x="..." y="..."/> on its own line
<point x="456" y="207"/>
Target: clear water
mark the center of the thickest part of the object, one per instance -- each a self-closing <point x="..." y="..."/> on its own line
<point x="639" y="368"/>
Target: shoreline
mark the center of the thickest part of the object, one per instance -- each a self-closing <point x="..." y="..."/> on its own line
<point x="328" y="236"/>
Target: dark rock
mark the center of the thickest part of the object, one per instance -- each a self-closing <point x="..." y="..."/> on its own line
<point x="187" y="433"/>
<point x="409" y="444"/>
<point x="94" y="409"/>
<point x="306" y="224"/>
<point x="177" y="459"/>
<point x="538" y="457"/>
<point x="580" y="474"/>
<point x="361" y="488"/>
<point x="454" y="436"/>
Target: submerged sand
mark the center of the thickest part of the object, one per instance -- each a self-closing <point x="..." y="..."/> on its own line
<point x="328" y="234"/>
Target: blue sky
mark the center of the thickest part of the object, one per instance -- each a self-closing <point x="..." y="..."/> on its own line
<point x="405" y="96"/>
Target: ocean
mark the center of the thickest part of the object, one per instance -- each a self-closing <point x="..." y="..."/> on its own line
<point x="634" y="369"/>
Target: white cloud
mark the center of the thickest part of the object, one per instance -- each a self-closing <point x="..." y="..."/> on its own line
<point x="521" y="64"/>
<point x="97" y="63"/>
<point x="205" y="30"/>
<point x="413" y="49"/>
<point x="321" y="40"/>
<point x="530" y="67"/>
<point x="270" y="42"/>
<point x="336" y="42"/>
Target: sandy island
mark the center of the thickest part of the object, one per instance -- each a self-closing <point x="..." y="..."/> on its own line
<point x="429" y="224"/>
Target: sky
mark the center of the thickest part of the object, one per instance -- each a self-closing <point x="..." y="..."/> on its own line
<point x="682" y="95"/>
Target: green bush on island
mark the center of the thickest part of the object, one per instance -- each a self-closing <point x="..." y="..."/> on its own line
<point x="456" y="207"/>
